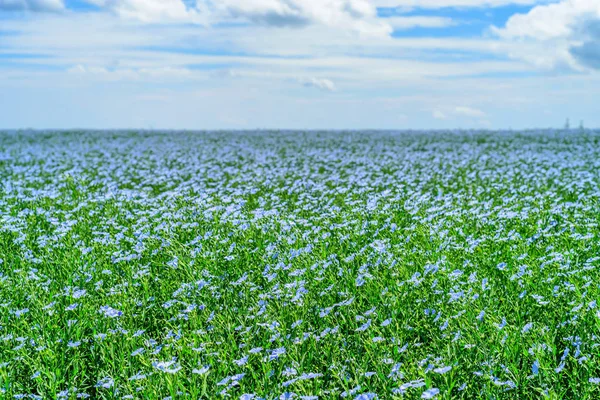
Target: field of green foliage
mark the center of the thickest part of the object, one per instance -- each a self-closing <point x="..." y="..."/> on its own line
<point x="292" y="265"/>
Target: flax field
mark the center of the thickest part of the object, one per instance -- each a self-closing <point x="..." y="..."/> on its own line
<point x="300" y="265"/>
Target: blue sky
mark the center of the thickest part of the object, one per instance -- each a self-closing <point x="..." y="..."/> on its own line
<point x="299" y="64"/>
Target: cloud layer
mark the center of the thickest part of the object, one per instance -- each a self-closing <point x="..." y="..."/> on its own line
<point x="356" y="15"/>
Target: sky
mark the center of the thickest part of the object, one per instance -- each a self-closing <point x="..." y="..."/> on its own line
<point x="299" y="64"/>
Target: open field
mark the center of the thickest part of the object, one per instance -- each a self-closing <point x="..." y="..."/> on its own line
<point x="300" y="265"/>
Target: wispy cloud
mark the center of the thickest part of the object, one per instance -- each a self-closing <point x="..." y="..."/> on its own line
<point x="469" y="112"/>
<point x="445" y="113"/>
<point x="409" y="22"/>
<point x="32" y="5"/>
<point x="319" y="83"/>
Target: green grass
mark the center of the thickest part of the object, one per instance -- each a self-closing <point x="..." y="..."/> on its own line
<point x="316" y="264"/>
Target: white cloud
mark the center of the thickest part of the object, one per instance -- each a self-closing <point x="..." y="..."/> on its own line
<point x="552" y="21"/>
<point x="319" y="83"/>
<point x="458" y="111"/>
<point x="437" y="114"/>
<point x="152" y="11"/>
<point x="469" y="112"/>
<point x="155" y="74"/>
<point x="77" y="69"/>
<point x="564" y="34"/>
<point x="451" y="3"/>
<point x="32" y="5"/>
<point x="355" y="15"/>
<point x="419" y="21"/>
<point x="248" y="51"/>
